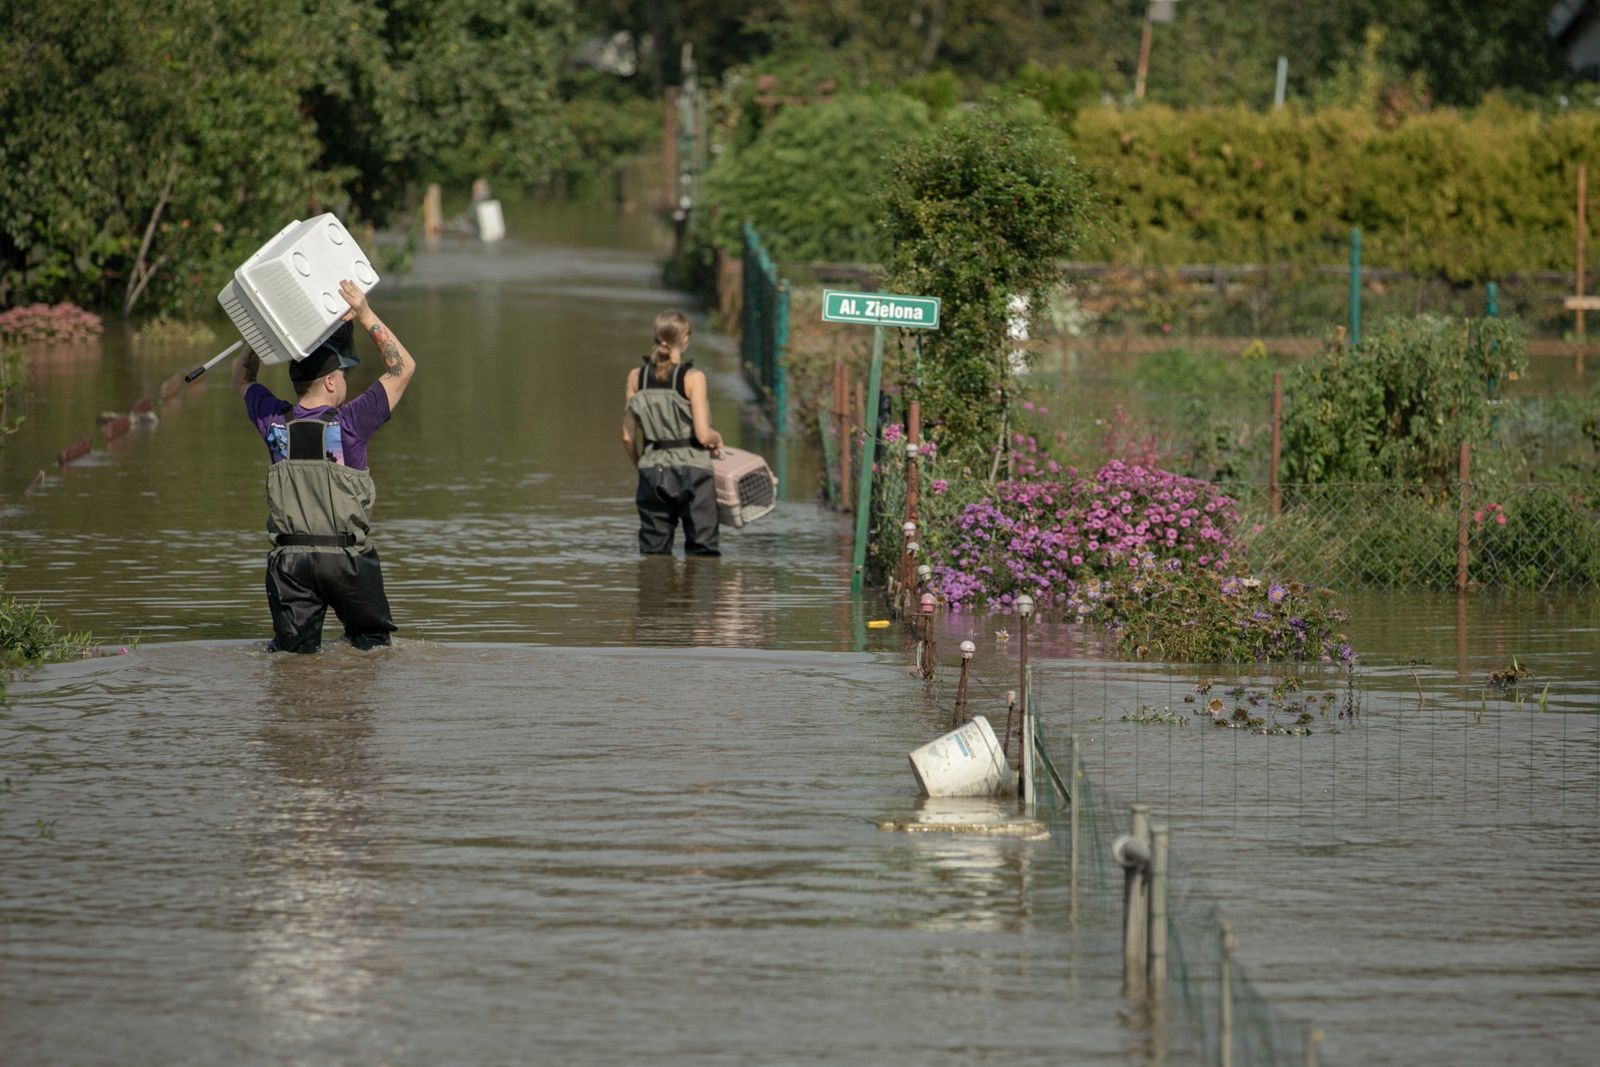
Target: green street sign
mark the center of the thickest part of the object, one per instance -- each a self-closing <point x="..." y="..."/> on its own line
<point x="880" y="309"/>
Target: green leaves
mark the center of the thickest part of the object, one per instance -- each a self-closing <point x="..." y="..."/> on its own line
<point x="1398" y="406"/>
<point x="178" y="135"/>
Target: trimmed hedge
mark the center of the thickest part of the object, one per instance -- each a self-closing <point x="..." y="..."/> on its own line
<point x="1470" y="196"/>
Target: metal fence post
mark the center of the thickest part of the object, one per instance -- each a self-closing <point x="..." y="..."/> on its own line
<point x="1133" y="853"/>
<point x="1225" y="999"/>
<point x="1072" y="817"/>
<point x="1157" y="974"/>
<point x="780" y="372"/>
<point x="858" y="564"/>
<point x="1313" y="1041"/>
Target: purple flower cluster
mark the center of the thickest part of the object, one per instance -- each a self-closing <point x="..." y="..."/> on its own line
<point x="1047" y="536"/>
<point x="51" y="323"/>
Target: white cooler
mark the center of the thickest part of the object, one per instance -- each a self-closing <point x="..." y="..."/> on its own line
<point x="285" y="298"/>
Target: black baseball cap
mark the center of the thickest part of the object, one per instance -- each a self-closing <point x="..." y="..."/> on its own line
<point x="336" y="353"/>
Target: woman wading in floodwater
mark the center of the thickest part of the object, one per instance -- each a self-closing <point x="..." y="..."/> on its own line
<point x="666" y="431"/>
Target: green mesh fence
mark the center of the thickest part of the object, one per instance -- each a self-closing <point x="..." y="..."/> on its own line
<point x="1203" y="988"/>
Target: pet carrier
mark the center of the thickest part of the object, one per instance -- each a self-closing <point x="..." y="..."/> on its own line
<point x="746" y="487"/>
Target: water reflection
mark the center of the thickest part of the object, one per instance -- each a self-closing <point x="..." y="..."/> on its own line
<point x="309" y="901"/>
<point x="697" y="602"/>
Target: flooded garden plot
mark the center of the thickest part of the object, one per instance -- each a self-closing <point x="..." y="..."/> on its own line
<point x="612" y="809"/>
<point x="477" y="853"/>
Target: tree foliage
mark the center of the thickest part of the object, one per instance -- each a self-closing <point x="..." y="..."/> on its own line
<point x="176" y="135"/>
<point x="977" y="215"/>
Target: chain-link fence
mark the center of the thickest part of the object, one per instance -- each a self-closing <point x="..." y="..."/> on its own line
<point x="764" y="330"/>
<point x="1210" y="1012"/>
<point x="1382" y="535"/>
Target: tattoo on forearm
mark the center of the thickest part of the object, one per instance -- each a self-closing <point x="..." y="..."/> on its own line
<point x="252" y="364"/>
<point x="389" y="349"/>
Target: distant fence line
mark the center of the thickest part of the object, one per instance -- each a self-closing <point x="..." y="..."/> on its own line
<point x="763" y="307"/>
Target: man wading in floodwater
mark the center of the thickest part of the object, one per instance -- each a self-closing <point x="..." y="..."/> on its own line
<point x="319" y="494"/>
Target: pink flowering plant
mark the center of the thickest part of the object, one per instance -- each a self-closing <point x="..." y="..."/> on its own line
<point x="1151" y="556"/>
<point x="1049" y="531"/>
<point x="49" y="324"/>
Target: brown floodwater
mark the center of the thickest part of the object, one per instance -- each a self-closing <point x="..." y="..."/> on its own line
<point x="598" y="809"/>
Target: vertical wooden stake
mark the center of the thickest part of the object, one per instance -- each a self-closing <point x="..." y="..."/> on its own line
<point x="1461" y="520"/>
<point x="1144" y="62"/>
<point x="1277" y="440"/>
<point x="1583" y="227"/>
<point x="669" y="149"/>
<point x="432" y="211"/>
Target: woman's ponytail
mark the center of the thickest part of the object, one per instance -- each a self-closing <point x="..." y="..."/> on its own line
<point x="672" y="333"/>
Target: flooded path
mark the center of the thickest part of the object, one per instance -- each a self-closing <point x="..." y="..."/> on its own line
<point x="600" y="809"/>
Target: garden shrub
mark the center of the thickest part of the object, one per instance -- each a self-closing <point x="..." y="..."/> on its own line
<point x="1399" y="405"/>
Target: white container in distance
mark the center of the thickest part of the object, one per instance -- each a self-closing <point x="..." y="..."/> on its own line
<point x="746" y="487"/>
<point x="966" y="762"/>
<point x="285" y="299"/>
<point x="491" y="221"/>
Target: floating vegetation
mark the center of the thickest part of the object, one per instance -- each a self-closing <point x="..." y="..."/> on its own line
<point x="1154" y="714"/>
<point x="1508" y="677"/>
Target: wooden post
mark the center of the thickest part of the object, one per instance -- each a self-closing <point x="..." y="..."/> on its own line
<point x="1277" y="440"/>
<point x="1583" y="226"/>
<point x="669" y="149"/>
<point x="432" y="211"/>
<point x="1461" y="519"/>
<point x="1144" y="62"/>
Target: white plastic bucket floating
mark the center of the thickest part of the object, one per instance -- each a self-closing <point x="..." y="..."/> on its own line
<point x="966" y="762"/>
<point x="491" y="222"/>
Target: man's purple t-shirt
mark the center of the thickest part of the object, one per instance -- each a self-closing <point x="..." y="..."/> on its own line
<point x="357" y="421"/>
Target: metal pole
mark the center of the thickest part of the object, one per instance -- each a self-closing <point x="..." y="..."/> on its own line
<point x="1029" y="795"/>
<point x="1072" y="813"/>
<point x="1491" y="300"/>
<point x="1277" y="440"/>
<point x="1283" y="83"/>
<point x="1157" y="975"/>
<point x="1461" y="518"/>
<point x="1355" y="286"/>
<point x="1136" y="908"/>
<point x="1225" y="1032"/>
<point x="858" y="566"/>
<point x="845" y="441"/>
<point x="1313" y="1040"/>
